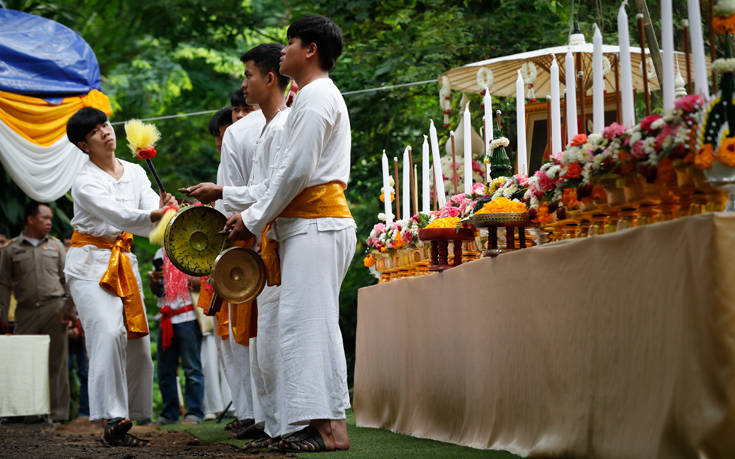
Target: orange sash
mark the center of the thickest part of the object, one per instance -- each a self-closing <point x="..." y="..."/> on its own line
<point x="119" y="279"/>
<point x="223" y="315"/>
<point x="319" y="201"/>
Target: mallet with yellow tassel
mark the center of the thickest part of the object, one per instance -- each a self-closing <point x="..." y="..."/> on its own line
<point x="141" y="140"/>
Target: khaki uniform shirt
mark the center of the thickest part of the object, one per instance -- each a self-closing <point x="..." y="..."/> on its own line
<point x="35" y="274"/>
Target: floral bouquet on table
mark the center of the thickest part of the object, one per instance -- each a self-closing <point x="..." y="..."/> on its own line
<point x="455" y="170"/>
<point x="461" y="205"/>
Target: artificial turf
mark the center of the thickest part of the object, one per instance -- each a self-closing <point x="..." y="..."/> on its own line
<point x="364" y="443"/>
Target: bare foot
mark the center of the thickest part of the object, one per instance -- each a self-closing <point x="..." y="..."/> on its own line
<point x="324" y="427"/>
<point x="339" y="432"/>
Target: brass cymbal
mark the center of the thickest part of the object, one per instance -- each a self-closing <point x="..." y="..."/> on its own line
<point x="192" y="240"/>
<point x="238" y="274"/>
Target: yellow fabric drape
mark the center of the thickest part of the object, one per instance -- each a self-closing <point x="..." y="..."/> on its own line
<point x="119" y="279"/>
<point x="41" y="122"/>
<point x="244" y="322"/>
<point x="223" y="315"/>
<point x="319" y="201"/>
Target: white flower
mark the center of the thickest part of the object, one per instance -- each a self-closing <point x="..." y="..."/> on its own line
<point x="635" y="137"/>
<point x="648" y="146"/>
<point x="724" y="8"/>
<point x="499" y="142"/>
<point x="658" y="124"/>
<point x="381" y="217"/>
<point x="594" y="138"/>
<point x="723" y="65"/>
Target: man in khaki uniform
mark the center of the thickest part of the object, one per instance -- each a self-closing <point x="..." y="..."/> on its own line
<point x="32" y="265"/>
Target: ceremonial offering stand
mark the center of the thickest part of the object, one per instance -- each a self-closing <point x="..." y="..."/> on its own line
<point x="440" y="239"/>
<point x="507" y="220"/>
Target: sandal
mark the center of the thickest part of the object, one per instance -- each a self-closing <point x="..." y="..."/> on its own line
<point x="116" y="429"/>
<point x="265" y="442"/>
<point x="306" y="440"/>
<point x="133" y="442"/>
<point x="250" y="432"/>
<point x="239" y="424"/>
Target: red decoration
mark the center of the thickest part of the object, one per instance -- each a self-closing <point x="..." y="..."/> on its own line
<point x="145" y="153"/>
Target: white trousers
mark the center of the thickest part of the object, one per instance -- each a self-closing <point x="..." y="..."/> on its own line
<point x="214" y="380"/>
<point x="314" y="371"/>
<point x="264" y="364"/>
<point x="236" y="358"/>
<point x="120" y="381"/>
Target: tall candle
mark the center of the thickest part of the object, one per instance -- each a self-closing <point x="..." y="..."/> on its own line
<point x="438" y="175"/>
<point x="626" y="75"/>
<point x="697" y="41"/>
<point x="386" y="191"/>
<point x="425" y="184"/>
<point x="555" y="108"/>
<point x="521" y="125"/>
<point x="598" y="84"/>
<point x="667" y="45"/>
<point x="487" y="101"/>
<point x="467" y="150"/>
<point x="406" y="185"/>
<point x="571" y="89"/>
<point x="415" y="186"/>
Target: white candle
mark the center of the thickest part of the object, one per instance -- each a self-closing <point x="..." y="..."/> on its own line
<point x="555" y="108"/>
<point x="571" y="88"/>
<point x="626" y="76"/>
<point x="438" y="175"/>
<point x="425" y="184"/>
<point x="386" y="191"/>
<point x="406" y="185"/>
<point x="667" y="46"/>
<point x="521" y="125"/>
<point x="598" y="84"/>
<point x="487" y="101"/>
<point x="467" y="150"/>
<point x="695" y="35"/>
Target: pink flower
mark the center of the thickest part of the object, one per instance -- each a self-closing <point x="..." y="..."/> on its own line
<point x="689" y="104"/>
<point x="637" y="151"/>
<point x="647" y="121"/>
<point x="379" y="228"/>
<point x="556" y="157"/>
<point x="476" y="166"/>
<point x="612" y="131"/>
<point x="544" y="182"/>
<point x="522" y="179"/>
<point x="478" y="188"/>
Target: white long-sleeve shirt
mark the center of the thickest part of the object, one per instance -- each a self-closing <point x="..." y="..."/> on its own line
<point x="105" y="207"/>
<point x="267" y="148"/>
<point x="238" y="149"/>
<point x="317" y="152"/>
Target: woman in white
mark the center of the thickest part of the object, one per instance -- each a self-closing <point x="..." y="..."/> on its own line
<point x="112" y="198"/>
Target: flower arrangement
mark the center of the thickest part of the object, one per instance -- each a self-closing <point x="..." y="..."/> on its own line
<point x="502" y="205"/>
<point x="456" y="170"/>
<point x="444" y="222"/>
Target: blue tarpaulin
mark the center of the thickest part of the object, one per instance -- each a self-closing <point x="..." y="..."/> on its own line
<point x="44" y="58"/>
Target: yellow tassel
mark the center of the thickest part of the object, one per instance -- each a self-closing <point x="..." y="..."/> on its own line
<point x="140" y="135"/>
<point x="156" y="236"/>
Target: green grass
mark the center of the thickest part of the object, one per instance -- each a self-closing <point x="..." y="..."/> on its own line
<point x="365" y="443"/>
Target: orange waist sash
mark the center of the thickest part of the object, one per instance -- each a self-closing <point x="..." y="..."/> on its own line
<point x="119" y="279"/>
<point x="319" y="201"/>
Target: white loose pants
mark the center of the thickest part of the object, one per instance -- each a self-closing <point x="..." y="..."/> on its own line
<point x="314" y="370"/>
<point x="120" y="380"/>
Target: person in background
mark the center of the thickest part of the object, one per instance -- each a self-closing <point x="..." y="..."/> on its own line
<point x="178" y="338"/>
<point x="240" y="108"/>
<point x="32" y="266"/>
<point x="78" y="356"/>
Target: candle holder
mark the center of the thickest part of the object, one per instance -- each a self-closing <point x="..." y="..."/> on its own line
<point x="440" y="239"/>
<point x="509" y="221"/>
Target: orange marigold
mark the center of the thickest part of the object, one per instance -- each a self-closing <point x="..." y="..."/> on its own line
<point x="724" y="24"/>
<point x="543" y="215"/>
<point x="705" y="157"/>
<point x="666" y="170"/>
<point x="579" y="139"/>
<point x="569" y="198"/>
<point x="368" y="261"/>
<point x="392" y="197"/>
<point x="599" y="194"/>
<point x="726" y="152"/>
<point x="446" y="222"/>
<point x="502" y="205"/>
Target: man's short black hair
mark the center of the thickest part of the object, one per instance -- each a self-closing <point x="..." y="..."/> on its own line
<point x="237" y="99"/>
<point x="267" y="57"/>
<point x="223" y="117"/>
<point x="32" y="209"/>
<point x="82" y="122"/>
<point x="318" y="29"/>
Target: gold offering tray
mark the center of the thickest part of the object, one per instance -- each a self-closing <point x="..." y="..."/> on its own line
<point x="499" y="219"/>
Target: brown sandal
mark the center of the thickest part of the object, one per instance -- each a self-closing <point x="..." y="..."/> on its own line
<point x="116" y="429"/>
<point x="306" y="440"/>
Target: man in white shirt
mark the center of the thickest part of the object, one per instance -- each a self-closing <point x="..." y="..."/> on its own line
<point x="112" y="199"/>
<point x="315" y="233"/>
<point x="238" y="149"/>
